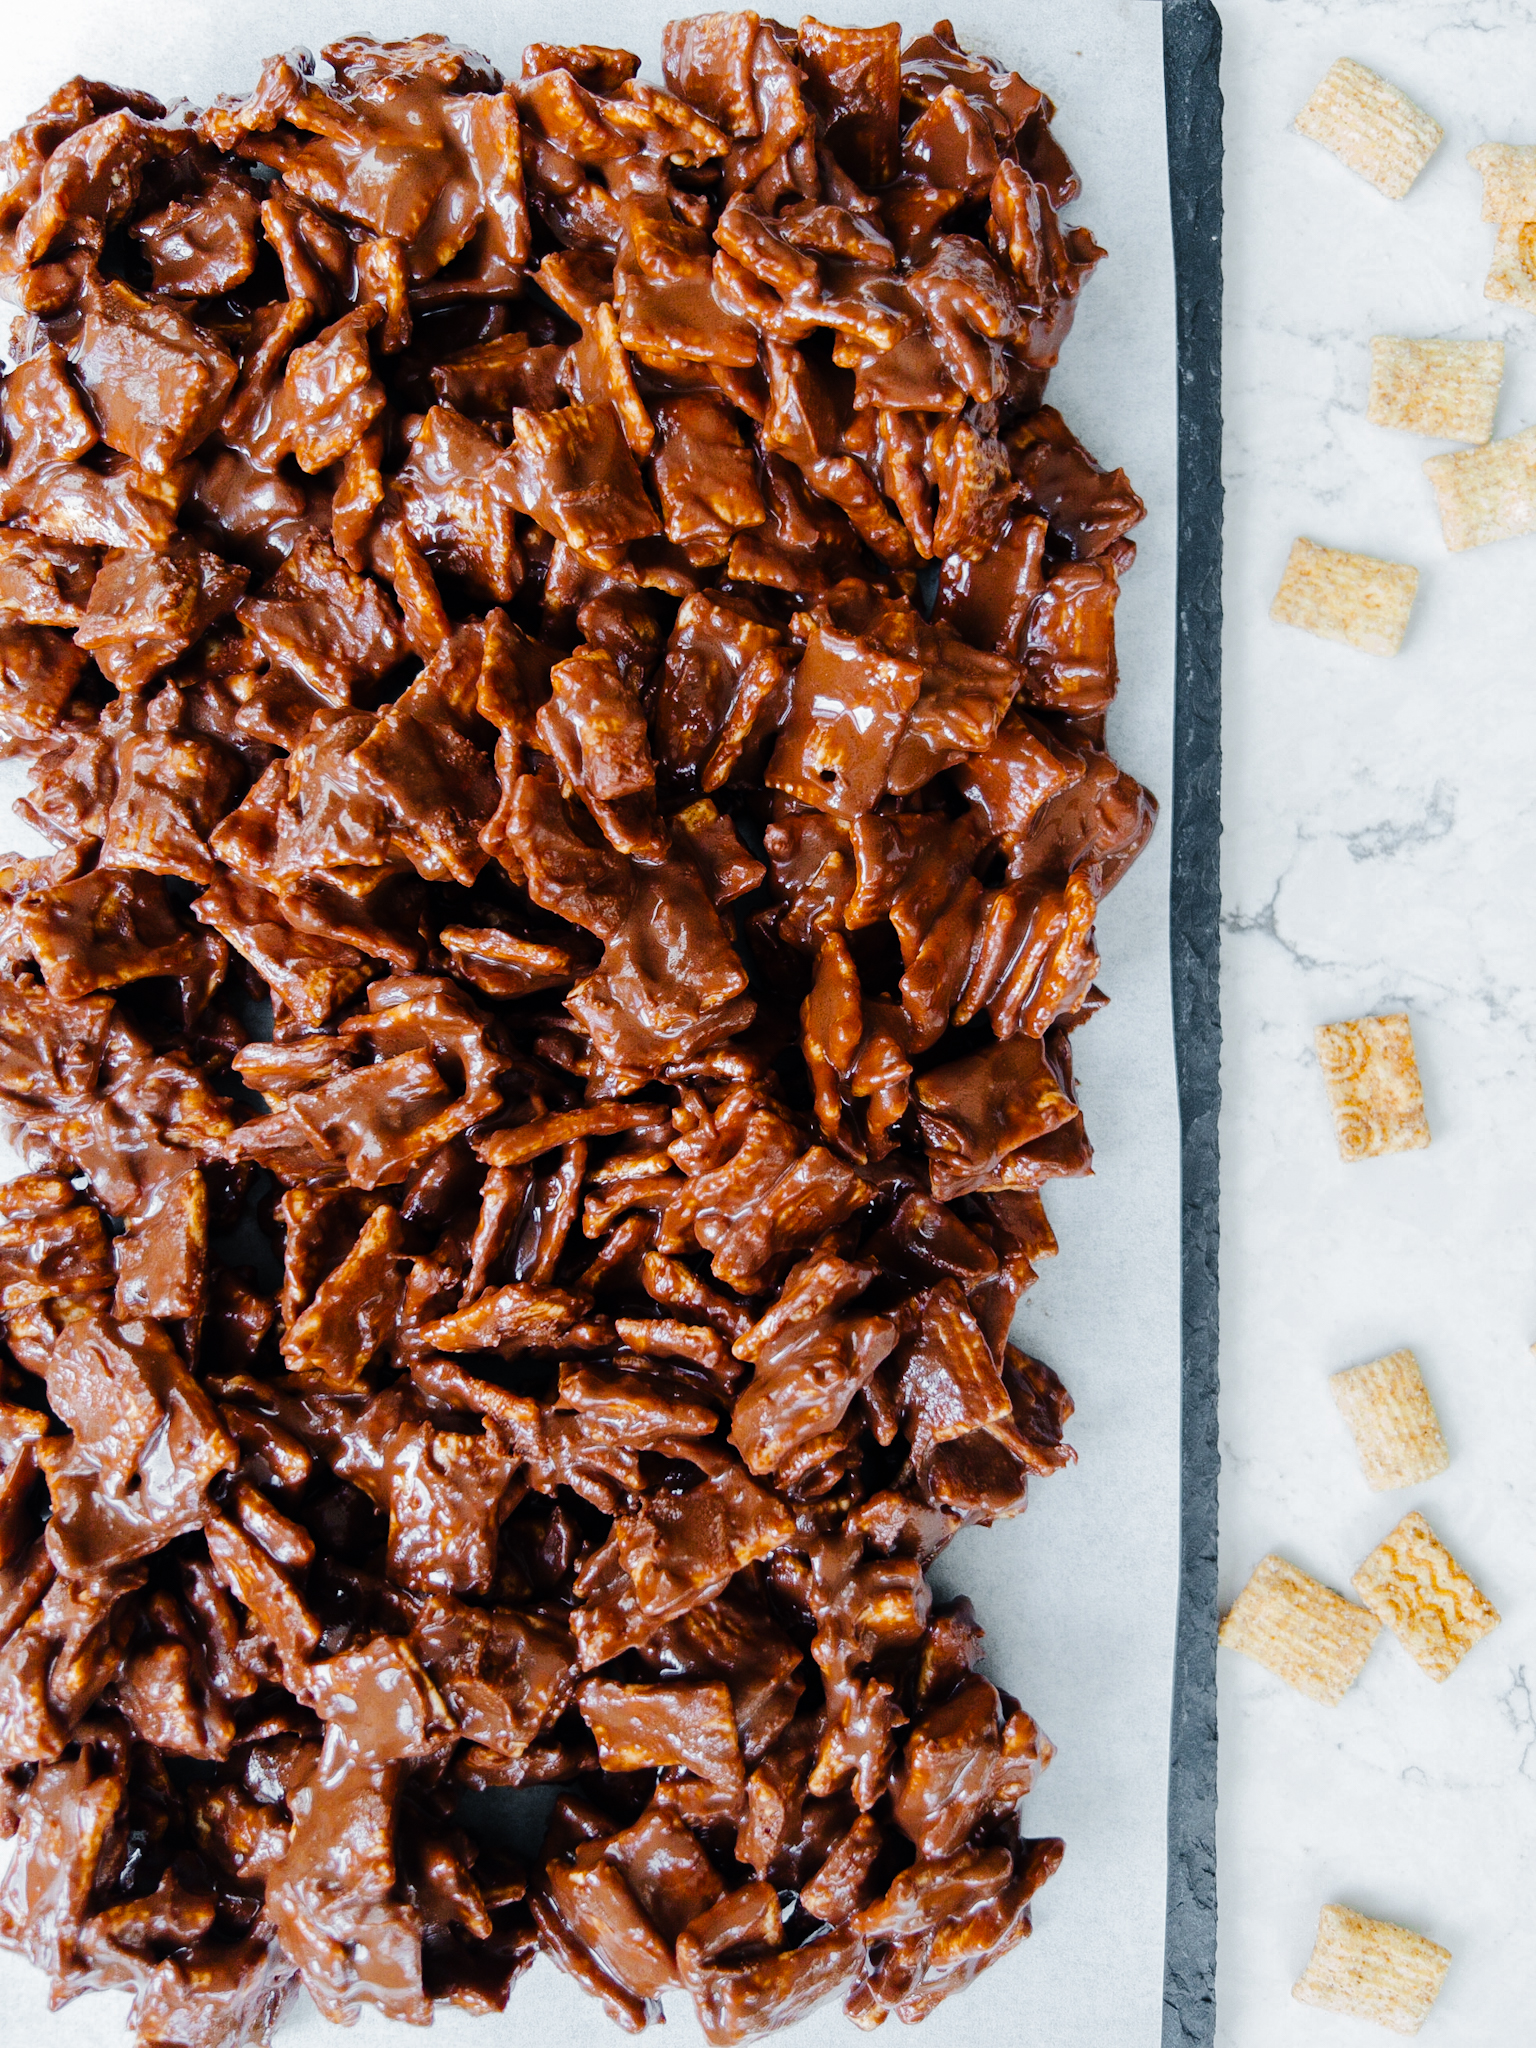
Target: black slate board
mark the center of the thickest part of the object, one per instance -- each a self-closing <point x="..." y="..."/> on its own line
<point x="1192" y="85"/>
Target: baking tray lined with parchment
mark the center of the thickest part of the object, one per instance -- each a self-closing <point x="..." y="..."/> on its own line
<point x="1078" y="1599"/>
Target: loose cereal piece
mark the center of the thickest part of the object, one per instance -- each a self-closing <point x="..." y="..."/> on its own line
<point x="1370" y="126"/>
<point x="1419" y="1590"/>
<point x="1373" y="1085"/>
<point x="1396" y="1430"/>
<point x="1313" y="1638"/>
<point x="1509" y="179"/>
<point x="1486" y="494"/>
<point x="1353" y="598"/>
<point x="1372" y="1971"/>
<point x="1512" y="274"/>
<point x="1446" y="389"/>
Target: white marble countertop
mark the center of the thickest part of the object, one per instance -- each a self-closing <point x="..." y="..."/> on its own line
<point x="1380" y="853"/>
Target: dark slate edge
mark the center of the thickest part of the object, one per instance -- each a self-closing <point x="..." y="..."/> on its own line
<point x="1192" y="81"/>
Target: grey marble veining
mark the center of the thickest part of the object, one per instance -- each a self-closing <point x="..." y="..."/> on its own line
<point x="1379" y="853"/>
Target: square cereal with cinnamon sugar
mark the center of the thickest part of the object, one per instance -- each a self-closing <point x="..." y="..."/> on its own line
<point x="1370" y="126"/>
<point x="1448" y="390"/>
<point x="1373" y="1085"/>
<point x="1508" y="171"/>
<point x="1512" y="274"/>
<point x="1352" y="598"/>
<point x="1372" y="1970"/>
<point x="1413" y="1584"/>
<point x="1393" y="1420"/>
<point x="1486" y="494"/>
<point x="1303" y="1632"/>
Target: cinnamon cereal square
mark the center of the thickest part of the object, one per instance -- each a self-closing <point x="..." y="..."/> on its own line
<point x="1372" y="1970"/>
<point x="1313" y="1638"/>
<point x="1373" y="1086"/>
<point x="1511" y="276"/>
<point x="1413" y="1584"/>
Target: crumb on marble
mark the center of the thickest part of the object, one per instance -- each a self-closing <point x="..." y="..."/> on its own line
<point x="1413" y="1584"/>
<point x="1353" y="598"/>
<point x="1370" y="126"/>
<point x="1303" y="1632"/>
<point x="1508" y="171"/>
<point x="1486" y="494"/>
<point x="1393" y="1420"/>
<point x="1512" y="273"/>
<point x="1372" y="1970"/>
<point x="1373" y="1086"/>
<point x="1448" y="390"/>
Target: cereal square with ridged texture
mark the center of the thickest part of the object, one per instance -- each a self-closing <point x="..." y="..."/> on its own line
<point x="1486" y="494"/>
<point x="1372" y="1970"/>
<point x="1396" y="1430"/>
<point x="1508" y="171"/>
<point x="1352" y="598"/>
<point x="1373" y="1085"/>
<point x="1448" y="390"/>
<point x="1512" y="274"/>
<point x="1412" y="1582"/>
<point x="1370" y="126"/>
<point x="1303" y="1632"/>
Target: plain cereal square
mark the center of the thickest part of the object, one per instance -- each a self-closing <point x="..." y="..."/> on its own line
<point x="1372" y="1970"/>
<point x="1303" y="1632"/>
<point x="1486" y="494"/>
<point x="1351" y="598"/>
<point x="1371" y="126"/>
<point x="1448" y="390"/>
<point x="1508" y="172"/>
<point x="1396" y="1430"/>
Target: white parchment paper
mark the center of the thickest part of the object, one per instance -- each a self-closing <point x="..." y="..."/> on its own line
<point x="1078" y="1598"/>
